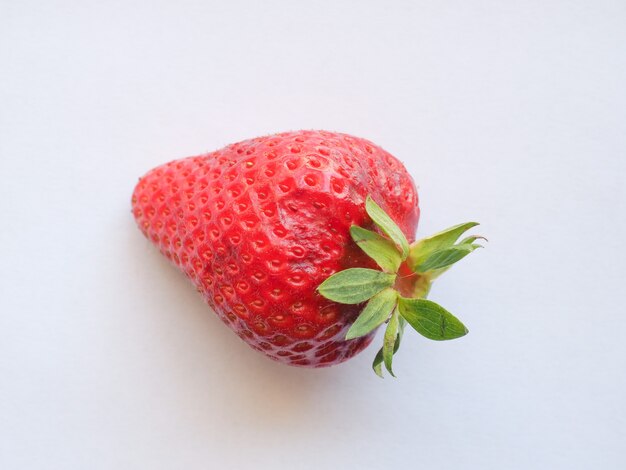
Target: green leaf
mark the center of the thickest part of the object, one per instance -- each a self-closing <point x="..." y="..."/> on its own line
<point x="431" y="319"/>
<point x="401" y="325"/>
<point x="421" y="249"/>
<point x="377" y="364"/>
<point x="355" y="285"/>
<point x="471" y="239"/>
<point x="380" y="249"/>
<point x="387" y="225"/>
<point x="389" y="341"/>
<point x="374" y="314"/>
<point x="378" y="360"/>
<point x="445" y="257"/>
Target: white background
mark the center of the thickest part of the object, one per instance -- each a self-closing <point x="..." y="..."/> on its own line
<point x="510" y="113"/>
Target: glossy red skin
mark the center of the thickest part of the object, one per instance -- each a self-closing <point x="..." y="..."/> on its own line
<point x="258" y="225"/>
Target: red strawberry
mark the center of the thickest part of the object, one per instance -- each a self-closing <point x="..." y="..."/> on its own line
<point x="259" y="225"/>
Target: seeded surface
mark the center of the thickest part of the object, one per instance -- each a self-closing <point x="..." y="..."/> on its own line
<point x="258" y="225"/>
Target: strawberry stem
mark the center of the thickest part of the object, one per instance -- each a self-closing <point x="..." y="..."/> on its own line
<point x="397" y="295"/>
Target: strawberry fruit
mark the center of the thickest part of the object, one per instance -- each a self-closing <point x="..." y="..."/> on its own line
<point x="298" y="241"/>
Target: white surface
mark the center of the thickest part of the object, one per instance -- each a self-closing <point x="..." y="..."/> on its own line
<point x="511" y="113"/>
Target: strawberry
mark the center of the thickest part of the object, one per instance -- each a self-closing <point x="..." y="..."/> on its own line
<point x="277" y="235"/>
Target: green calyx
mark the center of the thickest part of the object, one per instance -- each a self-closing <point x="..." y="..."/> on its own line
<point x="385" y="293"/>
